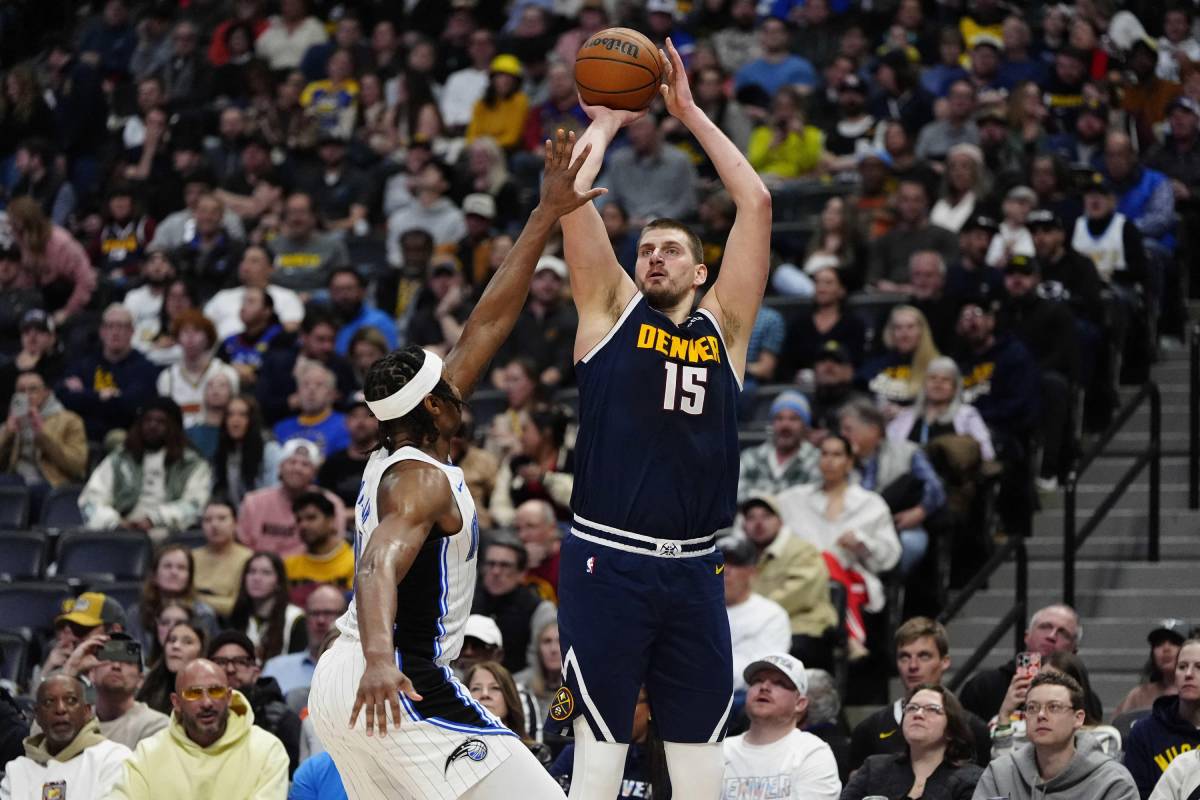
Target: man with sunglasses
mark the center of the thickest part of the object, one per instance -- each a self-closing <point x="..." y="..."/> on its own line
<point x="69" y="757"/>
<point x="212" y="748"/>
<point x="1060" y="761"/>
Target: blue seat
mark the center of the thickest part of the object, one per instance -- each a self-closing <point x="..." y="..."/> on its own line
<point x="14" y="506"/>
<point x="61" y="508"/>
<point x="33" y="605"/>
<point x="124" y="555"/>
<point x="22" y="555"/>
<point x="16" y="648"/>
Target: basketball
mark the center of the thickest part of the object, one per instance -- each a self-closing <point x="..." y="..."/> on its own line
<point x="618" y="68"/>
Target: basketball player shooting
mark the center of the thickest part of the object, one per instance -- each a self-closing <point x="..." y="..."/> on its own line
<point x="384" y="701"/>
<point x="640" y="586"/>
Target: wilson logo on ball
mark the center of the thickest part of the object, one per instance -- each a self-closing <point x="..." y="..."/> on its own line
<point x="628" y="48"/>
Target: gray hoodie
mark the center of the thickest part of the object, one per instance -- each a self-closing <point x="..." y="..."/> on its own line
<point x="1090" y="775"/>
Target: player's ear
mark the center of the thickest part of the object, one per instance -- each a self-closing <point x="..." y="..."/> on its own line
<point x="701" y="275"/>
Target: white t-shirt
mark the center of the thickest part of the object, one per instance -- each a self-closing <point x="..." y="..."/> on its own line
<point x="225" y="309"/>
<point x="146" y="307"/>
<point x="797" y="767"/>
<point x="189" y="394"/>
<point x="758" y="627"/>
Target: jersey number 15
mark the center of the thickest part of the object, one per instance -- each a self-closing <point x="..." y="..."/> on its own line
<point x="684" y="392"/>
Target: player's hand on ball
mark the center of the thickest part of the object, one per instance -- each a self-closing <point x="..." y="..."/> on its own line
<point x="379" y="688"/>
<point x="559" y="195"/>
<point x="675" y="89"/>
<point x="618" y="118"/>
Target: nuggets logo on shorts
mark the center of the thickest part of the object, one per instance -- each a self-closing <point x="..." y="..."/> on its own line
<point x="563" y="705"/>
<point x="474" y="749"/>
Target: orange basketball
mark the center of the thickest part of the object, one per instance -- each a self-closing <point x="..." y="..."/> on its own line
<point x="618" y="68"/>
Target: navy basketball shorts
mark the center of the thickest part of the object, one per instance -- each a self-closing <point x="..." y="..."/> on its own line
<point x="626" y="620"/>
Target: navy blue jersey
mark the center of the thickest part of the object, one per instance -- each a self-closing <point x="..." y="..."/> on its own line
<point x="657" y="451"/>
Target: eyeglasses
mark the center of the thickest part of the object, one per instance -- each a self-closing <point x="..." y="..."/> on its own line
<point x="503" y="566"/>
<point x="238" y="661"/>
<point x="933" y="709"/>
<point x="1053" y="708"/>
<point x="194" y="693"/>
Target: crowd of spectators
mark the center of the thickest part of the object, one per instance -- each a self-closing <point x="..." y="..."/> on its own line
<point x="218" y="214"/>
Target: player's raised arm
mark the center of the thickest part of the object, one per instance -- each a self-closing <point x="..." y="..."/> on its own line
<point x="599" y="287"/>
<point x="414" y="497"/>
<point x="494" y="316"/>
<point x="737" y="294"/>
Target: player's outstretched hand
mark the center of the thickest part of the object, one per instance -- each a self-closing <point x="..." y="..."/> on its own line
<point x="380" y="687"/>
<point x="675" y="89"/>
<point x="618" y="118"/>
<point x="559" y="195"/>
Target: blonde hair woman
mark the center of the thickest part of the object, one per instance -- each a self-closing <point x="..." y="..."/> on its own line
<point x="897" y="376"/>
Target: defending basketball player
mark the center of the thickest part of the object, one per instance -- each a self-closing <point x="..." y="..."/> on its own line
<point x="383" y="698"/>
<point x="641" y="591"/>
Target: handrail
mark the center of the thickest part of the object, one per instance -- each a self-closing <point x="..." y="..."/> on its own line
<point x="1151" y="456"/>
<point x="1194" y="418"/>
<point x="1012" y="618"/>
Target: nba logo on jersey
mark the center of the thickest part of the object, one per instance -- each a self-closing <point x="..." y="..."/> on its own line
<point x="591" y="565"/>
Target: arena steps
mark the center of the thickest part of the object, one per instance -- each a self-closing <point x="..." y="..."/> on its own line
<point x="1119" y="593"/>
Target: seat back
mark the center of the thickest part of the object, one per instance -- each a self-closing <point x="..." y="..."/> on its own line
<point x="14" y="507"/>
<point x="33" y="605"/>
<point x="15" y="649"/>
<point x="61" y="508"/>
<point x="127" y="593"/>
<point x="22" y="555"/>
<point x="123" y="554"/>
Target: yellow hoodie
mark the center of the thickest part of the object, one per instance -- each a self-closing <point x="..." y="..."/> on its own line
<point x="246" y="763"/>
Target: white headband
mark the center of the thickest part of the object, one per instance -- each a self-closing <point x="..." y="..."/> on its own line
<point x="410" y="395"/>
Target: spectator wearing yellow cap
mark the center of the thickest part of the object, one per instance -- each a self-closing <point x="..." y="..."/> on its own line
<point x="80" y="617"/>
<point x="500" y="113"/>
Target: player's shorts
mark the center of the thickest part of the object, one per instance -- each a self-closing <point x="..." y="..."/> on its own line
<point x="426" y="757"/>
<point x="631" y="617"/>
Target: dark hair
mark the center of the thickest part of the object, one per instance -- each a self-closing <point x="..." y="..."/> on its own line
<point x="960" y="741"/>
<point x="919" y="628"/>
<point x="230" y="636"/>
<point x="693" y="240"/>
<point x="164" y="318"/>
<point x="160" y="681"/>
<point x="174" y="443"/>
<point x="152" y="599"/>
<point x="249" y="451"/>
<point x="551" y="422"/>
<point x="845" y="443"/>
<point x="386" y="377"/>
<point x="504" y="539"/>
<point x="1070" y="664"/>
<point x="1060" y="679"/>
<point x="221" y="499"/>
<point x="352" y="272"/>
<point x="42" y="148"/>
<point x="315" y="499"/>
<point x="271" y="642"/>
<point x="514" y="720"/>
<point x="317" y="316"/>
<point x="244" y="27"/>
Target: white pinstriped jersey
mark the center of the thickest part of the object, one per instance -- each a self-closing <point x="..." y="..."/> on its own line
<point x="434" y="599"/>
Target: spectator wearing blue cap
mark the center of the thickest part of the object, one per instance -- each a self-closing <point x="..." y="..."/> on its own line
<point x="786" y="458"/>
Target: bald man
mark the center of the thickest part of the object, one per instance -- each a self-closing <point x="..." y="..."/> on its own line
<point x="70" y="754"/>
<point x="537" y="527"/>
<point x="211" y="749"/>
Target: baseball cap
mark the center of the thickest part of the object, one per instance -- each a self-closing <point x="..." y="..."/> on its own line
<point x="507" y="64"/>
<point x="791" y="667"/>
<point x="1043" y="218"/>
<point x="552" y="263"/>
<point x="852" y="83"/>
<point x="662" y="7"/>
<point x="738" y="552"/>
<point x="163" y="404"/>
<point x="877" y="153"/>
<point x="293" y="446"/>
<point x="1021" y="193"/>
<point x="330" y="137"/>
<point x="761" y="499"/>
<point x="92" y="609"/>
<point x="37" y="318"/>
<point x="1176" y="630"/>
<point x="832" y="351"/>
<point x="1096" y="182"/>
<point x="1022" y="264"/>
<point x="980" y="222"/>
<point x="231" y="636"/>
<point x="480" y="204"/>
<point x="1186" y="103"/>
<point x="1095" y="109"/>
<point x="484" y="629"/>
<point x="795" y="401"/>
<point x="357" y="399"/>
<point x="987" y="40"/>
<point x="991" y="114"/>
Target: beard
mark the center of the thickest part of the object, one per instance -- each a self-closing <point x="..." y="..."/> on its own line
<point x="663" y="296"/>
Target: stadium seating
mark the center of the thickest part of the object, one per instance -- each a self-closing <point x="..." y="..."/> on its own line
<point x="22" y="555"/>
<point x="14" y="507"/>
<point x="33" y="605"/>
<point x="123" y="555"/>
<point x="61" y="508"/>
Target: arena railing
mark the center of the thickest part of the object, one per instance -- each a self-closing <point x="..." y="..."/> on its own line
<point x="1194" y="418"/>
<point x="1075" y="535"/>
<point x="1014" y="548"/>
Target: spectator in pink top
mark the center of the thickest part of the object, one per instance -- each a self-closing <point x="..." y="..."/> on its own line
<point x="52" y="259"/>
<point x="265" y="519"/>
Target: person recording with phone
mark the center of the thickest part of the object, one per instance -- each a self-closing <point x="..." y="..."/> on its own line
<point x="42" y="444"/>
<point x="113" y="663"/>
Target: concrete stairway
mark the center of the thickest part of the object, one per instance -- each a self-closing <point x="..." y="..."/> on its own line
<point x="1118" y="593"/>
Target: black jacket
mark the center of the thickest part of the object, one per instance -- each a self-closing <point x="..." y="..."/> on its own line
<point x="272" y="714"/>
<point x="1157" y="740"/>
<point x="892" y="776"/>
<point x="1046" y="328"/>
<point x="879" y="734"/>
<point x="984" y="692"/>
<point x="1078" y="278"/>
<point x="513" y="613"/>
<point x="13" y="729"/>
